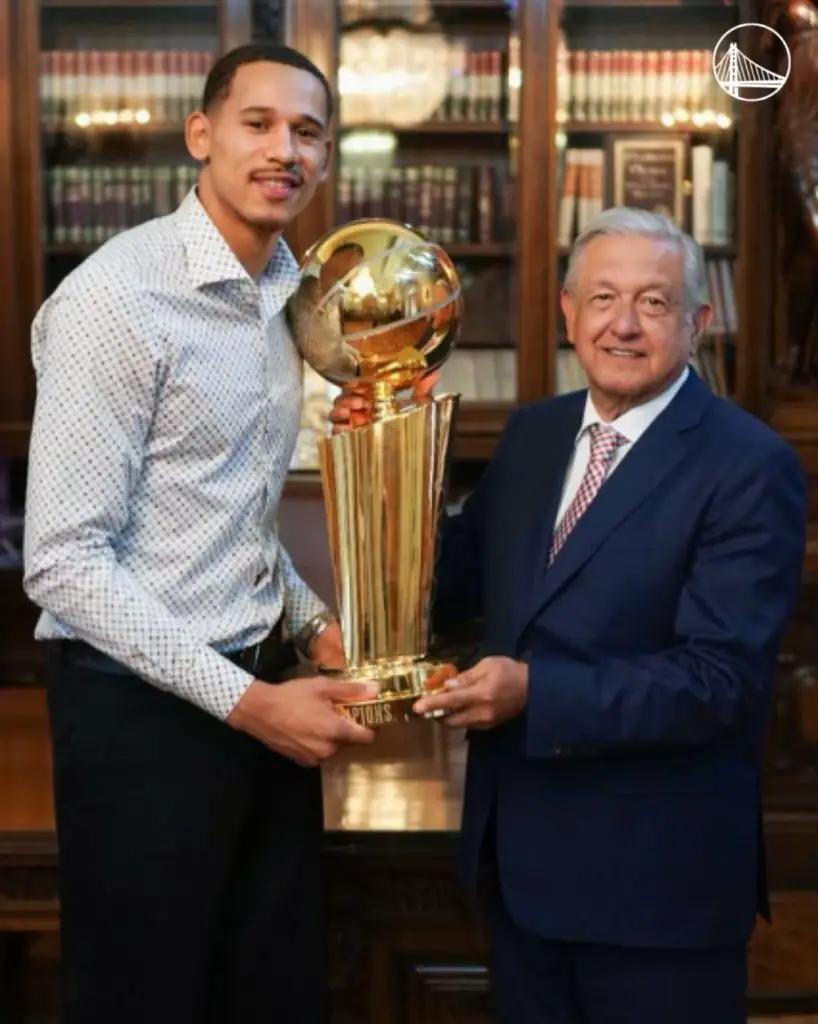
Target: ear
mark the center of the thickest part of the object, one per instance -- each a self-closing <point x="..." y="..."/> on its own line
<point x="701" y="321"/>
<point x="197" y="135"/>
<point x="327" y="159"/>
<point x="568" y="311"/>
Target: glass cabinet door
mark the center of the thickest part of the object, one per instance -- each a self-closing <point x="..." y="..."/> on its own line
<point x="116" y="81"/>
<point x="642" y="121"/>
<point x="429" y="105"/>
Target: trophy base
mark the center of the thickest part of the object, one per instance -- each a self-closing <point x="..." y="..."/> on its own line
<point x="402" y="682"/>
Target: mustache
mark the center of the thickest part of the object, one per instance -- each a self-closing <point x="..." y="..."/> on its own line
<point x="292" y="170"/>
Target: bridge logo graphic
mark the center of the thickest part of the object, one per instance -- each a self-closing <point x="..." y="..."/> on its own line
<point x="743" y="78"/>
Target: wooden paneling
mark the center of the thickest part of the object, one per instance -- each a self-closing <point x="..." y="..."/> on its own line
<point x="537" y="280"/>
<point x="312" y="28"/>
<point x="28" y="200"/>
<point x="14" y="383"/>
<point x="785" y="956"/>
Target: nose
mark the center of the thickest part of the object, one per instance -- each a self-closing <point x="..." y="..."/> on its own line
<point x="279" y="145"/>
<point x="625" y="323"/>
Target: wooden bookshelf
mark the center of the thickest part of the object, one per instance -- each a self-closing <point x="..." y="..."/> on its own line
<point x="432" y="128"/>
<point x="163" y="4"/>
<point x="574" y="127"/>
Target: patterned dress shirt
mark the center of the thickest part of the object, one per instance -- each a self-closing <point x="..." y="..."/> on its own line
<point x="168" y="407"/>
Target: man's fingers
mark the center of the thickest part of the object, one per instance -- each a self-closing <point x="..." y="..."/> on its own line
<point x="346" y="404"/>
<point x="352" y="732"/>
<point x="469" y="676"/>
<point x="425" y="384"/>
<point x="446" y="701"/>
<point x="442" y="674"/>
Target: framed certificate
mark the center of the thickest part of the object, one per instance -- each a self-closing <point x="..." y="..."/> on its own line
<point x="649" y="173"/>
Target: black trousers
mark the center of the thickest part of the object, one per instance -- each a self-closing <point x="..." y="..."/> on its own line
<point x="189" y="862"/>
<point x="542" y="981"/>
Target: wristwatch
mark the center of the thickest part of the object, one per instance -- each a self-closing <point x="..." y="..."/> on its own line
<point x="313" y="629"/>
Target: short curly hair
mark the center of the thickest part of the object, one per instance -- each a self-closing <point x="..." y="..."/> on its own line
<point x="221" y="74"/>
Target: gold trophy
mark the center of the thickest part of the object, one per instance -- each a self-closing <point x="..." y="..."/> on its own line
<point x="378" y="307"/>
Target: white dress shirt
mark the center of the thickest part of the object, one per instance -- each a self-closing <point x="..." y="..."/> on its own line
<point x="168" y="406"/>
<point x="631" y="425"/>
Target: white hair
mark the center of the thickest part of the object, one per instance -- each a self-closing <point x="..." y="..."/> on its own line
<point x="626" y="220"/>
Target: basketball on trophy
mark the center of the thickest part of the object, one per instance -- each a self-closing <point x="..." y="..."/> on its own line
<point x="378" y="305"/>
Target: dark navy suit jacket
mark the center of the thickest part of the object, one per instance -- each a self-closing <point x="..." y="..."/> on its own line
<point x="626" y="795"/>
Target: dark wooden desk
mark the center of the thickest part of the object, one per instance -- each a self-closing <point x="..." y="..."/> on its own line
<point x="401" y="933"/>
<point x="406" y="944"/>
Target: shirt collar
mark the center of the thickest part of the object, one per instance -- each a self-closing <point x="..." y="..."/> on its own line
<point x="210" y="260"/>
<point x="633" y="423"/>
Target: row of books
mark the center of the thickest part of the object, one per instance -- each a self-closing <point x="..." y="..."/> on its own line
<point x="712" y="198"/>
<point x="452" y="204"/>
<point x="85" y="205"/>
<point x="480" y="86"/>
<point x="721" y="291"/>
<point x="411" y="11"/>
<point x="713" y="361"/>
<point x="85" y="88"/>
<point x="582" y="191"/>
<point x="583" y="194"/>
<point x="480" y="375"/>
<point x="639" y="85"/>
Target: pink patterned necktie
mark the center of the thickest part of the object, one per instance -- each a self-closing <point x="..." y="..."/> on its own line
<point x="604" y="443"/>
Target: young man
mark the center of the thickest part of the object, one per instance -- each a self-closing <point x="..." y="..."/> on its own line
<point x="634" y="550"/>
<point x="187" y="791"/>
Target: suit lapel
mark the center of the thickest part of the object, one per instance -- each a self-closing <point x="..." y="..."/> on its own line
<point x="650" y="461"/>
<point x="539" y="496"/>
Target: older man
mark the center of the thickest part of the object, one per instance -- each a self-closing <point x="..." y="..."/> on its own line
<point x="635" y="550"/>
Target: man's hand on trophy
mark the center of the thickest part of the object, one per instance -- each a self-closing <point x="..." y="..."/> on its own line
<point x="299" y="719"/>
<point x="352" y="407"/>
<point x="494" y="690"/>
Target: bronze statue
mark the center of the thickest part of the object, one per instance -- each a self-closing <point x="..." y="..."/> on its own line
<point x="797" y="136"/>
<point x="797" y="113"/>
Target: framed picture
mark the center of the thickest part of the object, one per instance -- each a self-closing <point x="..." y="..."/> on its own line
<point x="649" y="173"/>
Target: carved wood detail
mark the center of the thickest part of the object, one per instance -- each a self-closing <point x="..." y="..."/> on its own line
<point x="268" y="20"/>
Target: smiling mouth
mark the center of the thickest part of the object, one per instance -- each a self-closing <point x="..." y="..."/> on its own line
<point x="277" y="188"/>
<point x="623" y="353"/>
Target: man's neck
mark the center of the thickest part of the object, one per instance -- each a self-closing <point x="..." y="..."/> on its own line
<point x="253" y="247"/>
<point x="611" y="407"/>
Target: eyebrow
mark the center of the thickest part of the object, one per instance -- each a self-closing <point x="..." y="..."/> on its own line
<point x="650" y="286"/>
<point x="311" y="118"/>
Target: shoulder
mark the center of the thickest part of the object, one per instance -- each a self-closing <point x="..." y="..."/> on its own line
<point x="126" y="270"/>
<point x="742" y="442"/>
<point x="109" y="302"/>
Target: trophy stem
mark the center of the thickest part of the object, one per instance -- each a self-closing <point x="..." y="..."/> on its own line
<point x="384" y="403"/>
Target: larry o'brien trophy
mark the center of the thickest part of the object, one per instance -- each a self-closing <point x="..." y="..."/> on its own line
<point x="378" y="306"/>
